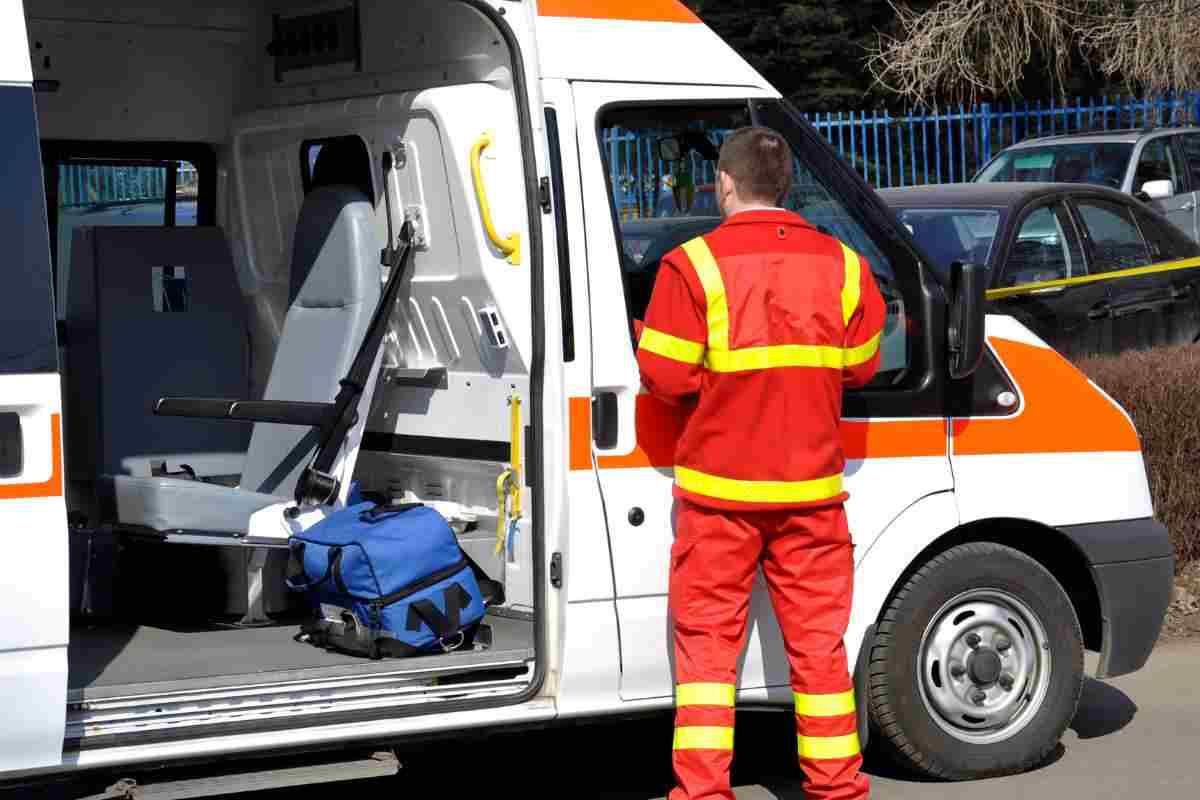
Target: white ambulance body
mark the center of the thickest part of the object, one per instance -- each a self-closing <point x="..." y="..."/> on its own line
<point x="1000" y="510"/>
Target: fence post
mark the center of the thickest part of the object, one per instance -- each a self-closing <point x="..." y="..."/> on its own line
<point x="985" y="111"/>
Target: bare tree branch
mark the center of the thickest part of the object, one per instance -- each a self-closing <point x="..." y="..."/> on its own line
<point x="963" y="49"/>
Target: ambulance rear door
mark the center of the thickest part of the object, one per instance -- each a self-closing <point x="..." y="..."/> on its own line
<point x="33" y="524"/>
<point x="638" y="207"/>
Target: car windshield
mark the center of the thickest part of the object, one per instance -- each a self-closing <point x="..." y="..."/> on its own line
<point x="1101" y="163"/>
<point x="947" y="235"/>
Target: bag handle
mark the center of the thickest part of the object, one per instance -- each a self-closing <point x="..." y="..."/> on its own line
<point x="387" y="509"/>
<point x="296" y="582"/>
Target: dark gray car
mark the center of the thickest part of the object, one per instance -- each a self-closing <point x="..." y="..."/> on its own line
<point x="1088" y="269"/>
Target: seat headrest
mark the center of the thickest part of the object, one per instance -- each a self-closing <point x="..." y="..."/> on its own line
<point x="343" y="162"/>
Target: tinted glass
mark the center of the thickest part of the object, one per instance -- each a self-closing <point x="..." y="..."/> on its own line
<point x="27" y="336"/>
<point x="1114" y="241"/>
<point x="1157" y="163"/>
<point x="1191" y="151"/>
<point x="1040" y="251"/>
<point x="1166" y="241"/>
<point x="1102" y="163"/>
<point x="952" y="234"/>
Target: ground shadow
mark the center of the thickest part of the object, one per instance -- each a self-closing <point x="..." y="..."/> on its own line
<point x="1103" y="710"/>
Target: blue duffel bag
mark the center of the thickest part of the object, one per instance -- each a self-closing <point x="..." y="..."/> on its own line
<point x="388" y="580"/>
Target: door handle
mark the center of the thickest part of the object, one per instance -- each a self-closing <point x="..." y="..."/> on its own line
<point x="12" y="445"/>
<point x="605" y="420"/>
<point x="1188" y="206"/>
<point x="1100" y="310"/>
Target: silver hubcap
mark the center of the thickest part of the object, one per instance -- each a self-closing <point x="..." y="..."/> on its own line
<point x="985" y="666"/>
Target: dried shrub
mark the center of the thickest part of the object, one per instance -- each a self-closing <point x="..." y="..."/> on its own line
<point x="1160" y="390"/>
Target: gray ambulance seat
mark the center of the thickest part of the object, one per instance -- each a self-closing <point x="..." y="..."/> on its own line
<point x="335" y="289"/>
<point x="123" y="354"/>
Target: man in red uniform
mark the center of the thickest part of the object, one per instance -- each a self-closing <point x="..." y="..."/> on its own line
<point x="753" y="330"/>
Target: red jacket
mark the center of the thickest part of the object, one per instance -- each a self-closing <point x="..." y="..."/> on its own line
<point x="754" y="330"/>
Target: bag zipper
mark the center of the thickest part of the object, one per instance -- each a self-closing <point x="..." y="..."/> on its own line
<point x="424" y="583"/>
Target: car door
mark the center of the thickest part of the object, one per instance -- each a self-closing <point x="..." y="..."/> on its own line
<point x="1117" y="251"/>
<point x="634" y="435"/>
<point x="1042" y="281"/>
<point x="1159" y="161"/>
<point x="1188" y="145"/>
<point x="33" y="517"/>
<point x="1178" y="259"/>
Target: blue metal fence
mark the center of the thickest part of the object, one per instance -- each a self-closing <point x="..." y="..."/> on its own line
<point x="911" y="148"/>
<point x="104" y="184"/>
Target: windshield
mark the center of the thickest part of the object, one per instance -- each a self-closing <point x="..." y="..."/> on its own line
<point x="952" y="234"/>
<point x="1102" y="163"/>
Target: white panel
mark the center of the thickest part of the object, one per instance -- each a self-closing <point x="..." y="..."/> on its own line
<point x="878" y="568"/>
<point x="34" y="587"/>
<point x="14" y="49"/>
<point x="1004" y="327"/>
<point x="592" y="49"/>
<point x="588" y="565"/>
<point x="135" y="82"/>
<point x="33" y="694"/>
<point x="1053" y="488"/>
<point x="591" y="669"/>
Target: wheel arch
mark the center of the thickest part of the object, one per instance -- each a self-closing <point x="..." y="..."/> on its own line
<point x="1050" y="547"/>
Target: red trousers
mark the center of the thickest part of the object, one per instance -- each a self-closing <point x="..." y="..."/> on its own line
<point x="808" y="563"/>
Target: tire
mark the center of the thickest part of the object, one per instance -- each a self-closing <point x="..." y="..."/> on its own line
<point x="975" y="619"/>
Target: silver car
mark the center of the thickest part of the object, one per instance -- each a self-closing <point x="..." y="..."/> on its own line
<point x="1160" y="166"/>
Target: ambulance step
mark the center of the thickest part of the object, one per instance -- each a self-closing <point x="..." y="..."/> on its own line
<point x="379" y="765"/>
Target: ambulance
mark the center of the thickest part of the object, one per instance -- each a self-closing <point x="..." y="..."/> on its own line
<point x="202" y="205"/>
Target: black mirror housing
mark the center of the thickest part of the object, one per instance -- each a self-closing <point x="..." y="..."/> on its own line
<point x="965" y="334"/>
<point x="670" y="149"/>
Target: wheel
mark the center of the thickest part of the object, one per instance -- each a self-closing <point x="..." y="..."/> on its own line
<point x="977" y="665"/>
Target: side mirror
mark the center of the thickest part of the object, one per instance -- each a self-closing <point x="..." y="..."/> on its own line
<point x="1158" y="190"/>
<point x="968" y="287"/>
<point x="670" y="149"/>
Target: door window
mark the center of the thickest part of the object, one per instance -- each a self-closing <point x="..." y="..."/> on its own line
<point x="659" y="205"/>
<point x="129" y="189"/>
<point x="1157" y="163"/>
<point x="1190" y="144"/>
<point x="1042" y="250"/>
<point x="1114" y="241"/>
<point x="1166" y="241"/>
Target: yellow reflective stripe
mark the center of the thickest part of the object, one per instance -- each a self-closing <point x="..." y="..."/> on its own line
<point x="758" y="491"/>
<point x="714" y="292"/>
<point x="791" y="355"/>
<point x="672" y="347"/>
<point x="1029" y="288"/>
<point x="705" y="694"/>
<point x="825" y="747"/>
<point x="850" y="289"/>
<point x="704" y="738"/>
<point x="864" y="352"/>
<point x="824" y="705"/>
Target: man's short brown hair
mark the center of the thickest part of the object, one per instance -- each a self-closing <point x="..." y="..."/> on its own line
<point x="760" y="163"/>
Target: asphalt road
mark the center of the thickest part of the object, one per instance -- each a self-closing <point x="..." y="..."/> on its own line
<point x="1135" y="737"/>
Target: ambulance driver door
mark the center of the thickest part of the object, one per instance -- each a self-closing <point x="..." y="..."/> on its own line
<point x="655" y="204"/>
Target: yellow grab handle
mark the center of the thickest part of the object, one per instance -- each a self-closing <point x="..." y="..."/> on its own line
<point x="511" y="246"/>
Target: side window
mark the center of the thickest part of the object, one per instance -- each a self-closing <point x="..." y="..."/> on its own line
<point x="661" y="200"/>
<point x="1190" y="143"/>
<point x="811" y="199"/>
<point x="1157" y="163"/>
<point x="117" y="191"/>
<point x="1166" y="242"/>
<point x="1113" y="239"/>
<point x="1042" y="250"/>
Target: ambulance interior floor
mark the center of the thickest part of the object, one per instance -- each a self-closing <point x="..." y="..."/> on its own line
<point x="110" y="659"/>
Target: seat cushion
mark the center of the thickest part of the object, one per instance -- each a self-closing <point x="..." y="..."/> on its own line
<point x="175" y="504"/>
